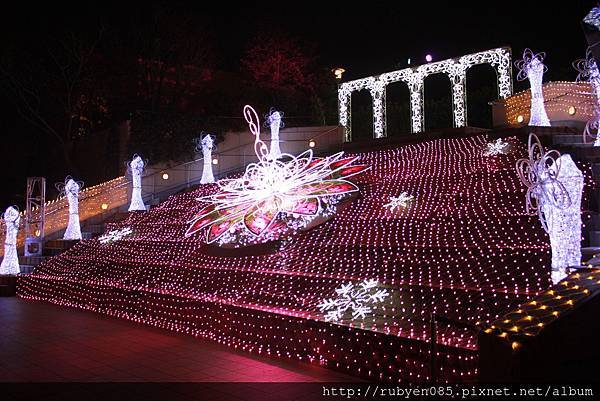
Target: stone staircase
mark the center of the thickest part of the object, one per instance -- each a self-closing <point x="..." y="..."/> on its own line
<point x="53" y="247"/>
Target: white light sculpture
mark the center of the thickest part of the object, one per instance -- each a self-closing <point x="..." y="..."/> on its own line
<point x="357" y="299"/>
<point x="10" y="262"/>
<point x="115" y="235"/>
<point x="532" y="67"/>
<point x="588" y="71"/>
<point x="400" y="201"/>
<point x="207" y="145"/>
<point x="456" y="70"/>
<point x="136" y="169"/>
<point x="554" y="185"/>
<point x="274" y="196"/>
<point x="495" y="148"/>
<point x="275" y="121"/>
<point x="70" y="189"/>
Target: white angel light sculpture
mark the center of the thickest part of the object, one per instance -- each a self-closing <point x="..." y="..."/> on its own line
<point x="70" y="189"/>
<point x="10" y="262"/>
<point x="206" y="143"/>
<point x="275" y="121"/>
<point x="533" y="68"/>
<point x="588" y="71"/>
<point x="554" y="185"/>
<point x="136" y="168"/>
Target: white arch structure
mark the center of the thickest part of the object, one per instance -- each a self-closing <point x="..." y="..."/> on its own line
<point x="414" y="77"/>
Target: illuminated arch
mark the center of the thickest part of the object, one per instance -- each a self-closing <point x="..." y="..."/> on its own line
<point x="456" y="68"/>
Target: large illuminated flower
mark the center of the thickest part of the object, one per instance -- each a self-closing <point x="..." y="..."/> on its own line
<point x="274" y="195"/>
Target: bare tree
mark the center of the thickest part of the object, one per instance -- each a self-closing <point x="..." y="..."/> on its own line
<point x="46" y="86"/>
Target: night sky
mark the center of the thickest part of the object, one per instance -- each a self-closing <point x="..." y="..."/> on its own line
<point x="366" y="39"/>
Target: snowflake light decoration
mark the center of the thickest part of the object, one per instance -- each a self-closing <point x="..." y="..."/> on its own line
<point x="495" y="148"/>
<point x="274" y="196"/>
<point x="115" y="235"/>
<point x="357" y="299"/>
<point x="399" y="201"/>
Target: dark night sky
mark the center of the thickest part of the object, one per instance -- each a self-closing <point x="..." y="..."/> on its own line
<point x="364" y="37"/>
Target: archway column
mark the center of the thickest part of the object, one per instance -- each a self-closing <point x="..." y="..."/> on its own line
<point x="377" y="90"/>
<point x="458" y="80"/>
<point x="417" y="106"/>
<point x="345" y="117"/>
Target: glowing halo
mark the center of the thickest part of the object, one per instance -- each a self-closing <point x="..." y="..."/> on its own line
<point x="274" y="196"/>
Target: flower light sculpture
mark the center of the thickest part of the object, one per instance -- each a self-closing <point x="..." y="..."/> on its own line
<point x="532" y="67"/>
<point x="588" y="71"/>
<point x="400" y="201"/>
<point x="10" y="262"/>
<point x="136" y="169"/>
<point x="554" y="185"/>
<point x="275" y="121"/>
<point x="206" y="143"/>
<point x="274" y="196"/>
<point x="70" y="188"/>
<point x="495" y="148"/>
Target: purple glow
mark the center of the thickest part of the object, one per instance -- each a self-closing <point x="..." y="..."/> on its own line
<point x="428" y="58"/>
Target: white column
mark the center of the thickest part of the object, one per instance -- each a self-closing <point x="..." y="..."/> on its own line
<point x="73" y="231"/>
<point x="535" y="73"/>
<point x="459" y="115"/>
<point x="595" y="81"/>
<point x="274" y="120"/>
<point x="208" y="144"/>
<point x="137" y="168"/>
<point x="378" y="95"/>
<point x="564" y="223"/>
<point x="415" y="85"/>
<point x="10" y="262"/>
<point x="344" y="101"/>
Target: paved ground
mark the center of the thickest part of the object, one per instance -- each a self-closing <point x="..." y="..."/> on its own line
<point x="49" y="343"/>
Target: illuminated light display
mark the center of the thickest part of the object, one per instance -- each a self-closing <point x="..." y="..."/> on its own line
<point x="533" y="316"/>
<point x="136" y="169"/>
<point x="466" y="250"/>
<point x="70" y="189"/>
<point x="558" y="97"/>
<point x="497" y="147"/>
<point x="400" y="201"/>
<point x="207" y="145"/>
<point x="115" y="235"/>
<point x="456" y="69"/>
<point x="274" y="120"/>
<point x="532" y="67"/>
<point x="113" y="194"/>
<point x="588" y="71"/>
<point x="554" y="187"/>
<point x="10" y="262"/>
<point x="358" y="299"/>
<point x="274" y="196"/>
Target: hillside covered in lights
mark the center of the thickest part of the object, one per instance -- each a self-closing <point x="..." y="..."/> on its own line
<point x="463" y="248"/>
